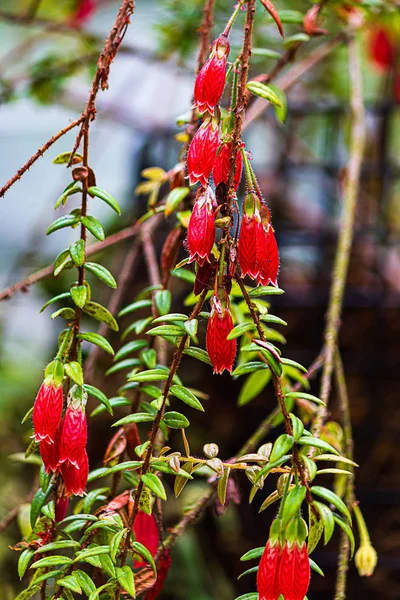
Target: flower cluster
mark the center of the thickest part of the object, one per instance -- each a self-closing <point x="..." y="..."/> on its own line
<point x="284" y="568"/>
<point x="62" y="439"/>
<point x="255" y="251"/>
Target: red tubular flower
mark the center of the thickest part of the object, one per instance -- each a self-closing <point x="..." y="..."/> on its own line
<point x="50" y="452"/>
<point x="146" y="532"/>
<point x="294" y="571"/>
<point x="201" y="229"/>
<point x="221" y="351"/>
<point x="252" y="246"/>
<point x="221" y="166"/>
<point x="270" y="268"/>
<point x="268" y="570"/>
<point x="47" y="411"/>
<point x="73" y="435"/>
<point x="201" y="153"/>
<point x="75" y="477"/>
<point x="381" y="49"/>
<point x="163" y="566"/>
<point x="210" y="81"/>
<point x="61" y="508"/>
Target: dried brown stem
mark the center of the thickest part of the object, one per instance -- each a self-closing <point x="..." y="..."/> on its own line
<point x="342" y="259"/>
<point x="38" y="154"/>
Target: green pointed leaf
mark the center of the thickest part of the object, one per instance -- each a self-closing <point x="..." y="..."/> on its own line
<point x="335" y="472"/>
<point x="154" y="484"/>
<point x="57" y="298"/>
<point x="135" y="306"/>
<point x="296" y="365"/>
<point x="106" y="197"/>
<point x="186" y="396"/>
<point x="79" y="294"/>
<point x="77" y="252"/>
<point x="249" y="367"/>
<point x="248" y="596"/>
<point x="175" y="420"/>
<point x="37" y="503"/>
<point x="128" y="363"/>
<point x="94" y="226"/>
<point x="315" y="529"/>
<point x="73" y="370"/>
<point x="135" y="418"/>
<point x="293" y="502"/>
<point x="174" y="199"/>
<point x="171" y="317"/>
<point x="98" y="340"/>
<point x="253" y="386"/>
<point x="64" y="158"/>
<point x="327" y="520"/>
<point x="316" y="568"/>
<point x="271" y="465"/>
<point x="101" y="273"/>
<point x="338" y="459"/>
<point x="282" y="445"/>
<point x="162" y="300"/>
<point x="130" y="347"/>
<point x="240" y="330"/>
<point x="99" y="312"/>
<point x="347" y="530"/>
<point x="185" y="275"/>
<point x="272" y="319"/>
<point x="61" y="544"/>
<point x="126" y="579"/>
<point x="298" y="427"/>
<point x="85" y="581"/>
<point x="268" y="501"/>
<point x="96" y="393"/>
<point x="70" y="583"/>
<point x="62" y="261"/>
<point x="253" y="554"/>
<point x="89" y="552"/>
<point x="150" y="375"/>
<point x="309" y="440"/>
<point x="65" y="221"/>
<point x="305" y="396"/>
<point x="265" y="290"/>
<point x="116" y="402"/>
<point x="23" y="561"/>
<point x="51" y="561"/>
<point x="191" y="327"/>
<point x="332" y="498"/>
<point x="116" y="544"/>
<point x="63" y="313"/>
<point x="198" y="353"/>
<point x="248" y="572"/>
<point x="295" y="39"/>
<point x="144" y="553"/>
<point x="166" y="331"/>
<point x="149" y="357"/>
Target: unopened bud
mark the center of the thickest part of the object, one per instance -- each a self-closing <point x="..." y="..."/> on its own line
<point x="211" y="450"/>
<point x="223" y="222"/>
<point x="366" y="559"/>
<point x="175" y="464"/>
<point x="216" y="465"/>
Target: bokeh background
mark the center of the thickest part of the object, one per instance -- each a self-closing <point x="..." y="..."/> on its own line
<point x="45" y="75"/>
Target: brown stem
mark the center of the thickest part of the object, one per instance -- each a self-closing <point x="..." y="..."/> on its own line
<point x="156" y="423"/>
<point x="38" y="154"/>
<point x="342" y="258"/>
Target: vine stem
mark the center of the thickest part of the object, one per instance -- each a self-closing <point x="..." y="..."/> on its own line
<point x="156" y="423"/>
<point x="344" y="546"/>
<point x="342" y="258"/>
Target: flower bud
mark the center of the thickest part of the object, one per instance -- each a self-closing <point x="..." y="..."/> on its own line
<point x="366" y="559"/>
<point x="268" y="570"/>
<point x="146" y="532"/>
<point x="73" y="435"/>
<point x="210" y="81"/>
<point x="75" y="477"/>
<point x="201" y="153"/>
<point x="211" y="450"/>
<point x="47" y="411"/>
<point x="201" y="229"/>
<point x="222" y="164"/>
<point x="253" y="245"/>
<point x="294" y="571"/>
<point x="221" y="351"/>
<point x="270" y="268"/>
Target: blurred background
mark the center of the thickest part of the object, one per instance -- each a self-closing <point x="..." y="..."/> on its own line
<point x="48" y="53"/>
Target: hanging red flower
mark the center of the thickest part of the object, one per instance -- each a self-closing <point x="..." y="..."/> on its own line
<point x="201" y="229"/>
<point x="202" y="151"/>
<point x="146" y="532"/>
<point x="47" y="411"/>
<point x="221" y="351"/>
<point x="210" y="81"/>
<point x="221" y="168"/>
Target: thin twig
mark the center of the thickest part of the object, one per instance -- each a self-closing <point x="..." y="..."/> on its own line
<point x="350" y="193"/>
<point x="38" y="154"/>
<point x="344" y="547"/>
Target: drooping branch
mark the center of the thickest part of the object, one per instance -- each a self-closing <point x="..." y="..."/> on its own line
<point x="346" y="231"/>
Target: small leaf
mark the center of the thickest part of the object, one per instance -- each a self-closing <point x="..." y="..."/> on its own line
<point x="308" y="440"/>
<point x="135" y="418"/>
<point x="116" y="543"/>
<point x="253" y="554"/>
<point x="293" y="502"/>
<point x="162" y="300"/>
<point x="130" y="347"/>
<point x="186" y="396"/>
<point x="171" y="317"/>
<point x="305" y="396"/>
<point x="85" y="581"/>
<point x="89" y="552"/>
<point x="298" y="427"/>
<point x="248" y="596"/>
<point x="222" y="485"/>
<point x="180" y="481"/>
<point x="253" y="386"/>
<point x="65" y="221"/>
<point x="149" y="357"/>
<point x="101" y="273"/>
<point x="106" y="197"/>
<point x="38" y="501"/>
<point x="135" y="306"/>
<point x="58" y="546"/>
<point x="175" y="420"/>
<point x="24" y="560"/>
<point x="62" y="261"/>
<point x="249" y="367"/>
<point x="150" y="375"/>
<point x="316" y="568"/>
<point x="295" y="39"/>
<point x="94" y="226"/>
<point x="144" y="553"/>
<point x="57" y="298"/>
<point x="339" y="459"/>
<point x="240" y="330"/>
<point x="296" y="365"/>
<point x="282" y="445"/>
<point x="77" y="252"/>
<point x="63" y="313"/>
<point x="128" y="363"/>
<point x="79" y="294"/>
<point x="74" y="371"/>
<point x="99" y="312"/>
<point x="154" y="173"/>
<point x="154" y="484"/>
<point x="315" y="529"/>
<point x="198" y="353"/>
<point x="327" y="519"/>
<point x="272" y="465"/>
<point x="64" y="157"/>
<point x="70" y="583"/>
<point x="126" y="579"/>
<point x="50" y="561"/>
<point x="248" y="572"/>
<point x="348" y="531"/>
<point x="191" y="327"/>
<point x="130" y="465"/>
<point x="265" y="290"/>
<point x="174" y="199"/>
<point x="98" y="340"/>
<point x="96" y="393"/>
<point x="166" y="331"/>
<point x="332" y="498"/>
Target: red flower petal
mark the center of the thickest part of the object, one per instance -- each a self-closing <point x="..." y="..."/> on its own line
<point x="252" y="246"/>
<point x="221" y="351"/>
<point x="201" y="153"/>
<point x="267" y="575"/>
<point x="210" y="81"/>
<point x="201" y="229"/>
<point x="75" y="477"/>
<point x="221" y="166"/>
<point x="294" y="572"/>
<point x="270" y="268"/>
<point x="47" y="412"/>
<point x="73" y="435"/>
